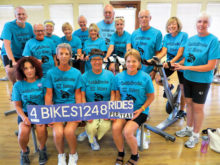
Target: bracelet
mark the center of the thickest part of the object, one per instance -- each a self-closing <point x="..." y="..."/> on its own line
<point x="143" y="108"/>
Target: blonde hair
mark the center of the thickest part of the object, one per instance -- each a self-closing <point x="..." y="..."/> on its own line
<point x="171" y="20"/>
<point x="66" y="25"/>
<point x="134" y="53"/>
<point x="120" y="18"/>
<point x="93" y="26"/>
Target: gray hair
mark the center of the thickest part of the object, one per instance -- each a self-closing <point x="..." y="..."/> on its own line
<point x="64" y="45"/>
<point x="19" y="7"/>
<point x="204" y="15"/>
<point x="143" y="11"/>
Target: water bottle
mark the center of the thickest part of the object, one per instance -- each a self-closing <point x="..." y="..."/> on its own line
<point x="205" y="144"/>
<point x="147" y="134"/>
<point x="138" y="136"/>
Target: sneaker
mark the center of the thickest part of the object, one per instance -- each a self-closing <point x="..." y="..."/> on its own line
<point x="171" y="88"/>
<point x="73" y="159"/>
<point x="43" y="156"/>
<point x="193" y="140"/>
<point x="81" y="137"/>
<point x="62" y="159"/>
<point x="184" y="132"/>
<point x="25" y="157"/>
<point x="95" y="146"/>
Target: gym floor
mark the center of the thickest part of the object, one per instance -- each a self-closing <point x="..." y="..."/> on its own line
<point x="161" y="152"/>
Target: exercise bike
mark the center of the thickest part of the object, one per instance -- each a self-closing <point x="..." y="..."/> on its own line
<point x="173" y="102"/>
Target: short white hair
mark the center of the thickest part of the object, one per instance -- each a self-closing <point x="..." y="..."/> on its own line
<point x="204" y="15"/>
<point x="82" y="16"/>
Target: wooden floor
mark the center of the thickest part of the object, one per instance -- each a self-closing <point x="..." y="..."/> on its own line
<point x="161" y="152"/>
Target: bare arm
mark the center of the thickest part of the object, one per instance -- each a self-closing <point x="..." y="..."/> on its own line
<point x="178" y="55"/>
<point x="150" y="98"/>
<point x="200" y="68"/>
<point x="83" y="97"/>
<point x="162" y="53"/>
<point x="128" y="47"/>
<point x="112" y="96"/>
<point x="109" y="52"/>
<point x="78" y="96"/>
<point x="20" y="112"/>
<point x="117" y="96"/>
<point x="7" y="44"/>
<point x="49" y="96"/>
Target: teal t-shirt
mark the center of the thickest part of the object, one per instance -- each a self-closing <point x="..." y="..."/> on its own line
<point x="147" y="43"/>
<point x="198" y="51"/>
<point x="28" y="93"/>
<point x="98" y="87"/>
<point x="64" y="84"/>
<point x="134" y="87"/>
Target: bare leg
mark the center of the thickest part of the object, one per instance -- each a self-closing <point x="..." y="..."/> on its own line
<point x="23" y="136"/>
<point x="129" y="131"/>
<point x="182" y="103"/>
<point x="198" y="116"/>
<point x="41" y="135"/>
<point x="117" y="127"/>
<point x="58" y="134"/>
<point x="70" y="136"/>
<point x="189" y="115"/>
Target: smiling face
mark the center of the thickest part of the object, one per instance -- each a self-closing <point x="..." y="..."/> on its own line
<point x="82" y="23"/>
<point x="202" y="26"/>
<point x="29" y="71"/>
<point x="119" y="25"/>
<point x="132" y="64"/>
<point x="108" y="14"/>
<point x="144" y="19"/>
<point x="63" y="56"/>
<point x="96" y="63"/>
<point x="39" y="32"/>
<point x="20" y="15"/>
<point x="48" y="29"/>
<point x="67" y="32"/>
<point x="93" y="34"/>
<point x="173" y="27"/>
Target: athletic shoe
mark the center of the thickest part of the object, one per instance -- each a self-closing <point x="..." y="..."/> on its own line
<point x="193" y="140"/>
<point x="184" y="132"/>
<point x="62" y="159"/>
<point x="43" y="156"/>
<point x="25" y="157"/>
<point x="73" y="159"/>
<point x="81" y="137"/>
<point x="95" y="146"/>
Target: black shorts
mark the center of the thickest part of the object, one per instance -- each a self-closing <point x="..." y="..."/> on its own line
<point x="197" y="91"/>
<point x="6" y="60"/>
<point x="179" y="74"/>
<point x="140" y="119"/>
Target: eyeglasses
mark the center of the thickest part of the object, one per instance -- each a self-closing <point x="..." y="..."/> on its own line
<point x="96" y="60"/>
<point x="38" y="31"/>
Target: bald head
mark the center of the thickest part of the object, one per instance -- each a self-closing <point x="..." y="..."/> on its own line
<point x="144" y="19"/>
<point x="109" y="14"/>
<point x="82" y="21"/>
<point x="39" y="31"/>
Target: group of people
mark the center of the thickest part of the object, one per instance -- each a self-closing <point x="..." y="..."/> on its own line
<point x="44" y="75"/>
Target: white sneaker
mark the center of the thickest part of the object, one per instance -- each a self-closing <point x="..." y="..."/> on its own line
<point x="73" y="159"/>
<point x="95" y="145"/>
<point x="184" y="132"/>
<point x="62" y="159"/>
<point x="191" y="143"/>
<point x="81" y="137"/>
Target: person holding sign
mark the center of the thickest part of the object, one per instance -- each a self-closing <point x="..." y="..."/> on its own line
<point x="28" y="90"/>
<point x="63" y="85"/>
<point x="97" y="85"/>
<point x="132" y="84"/>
